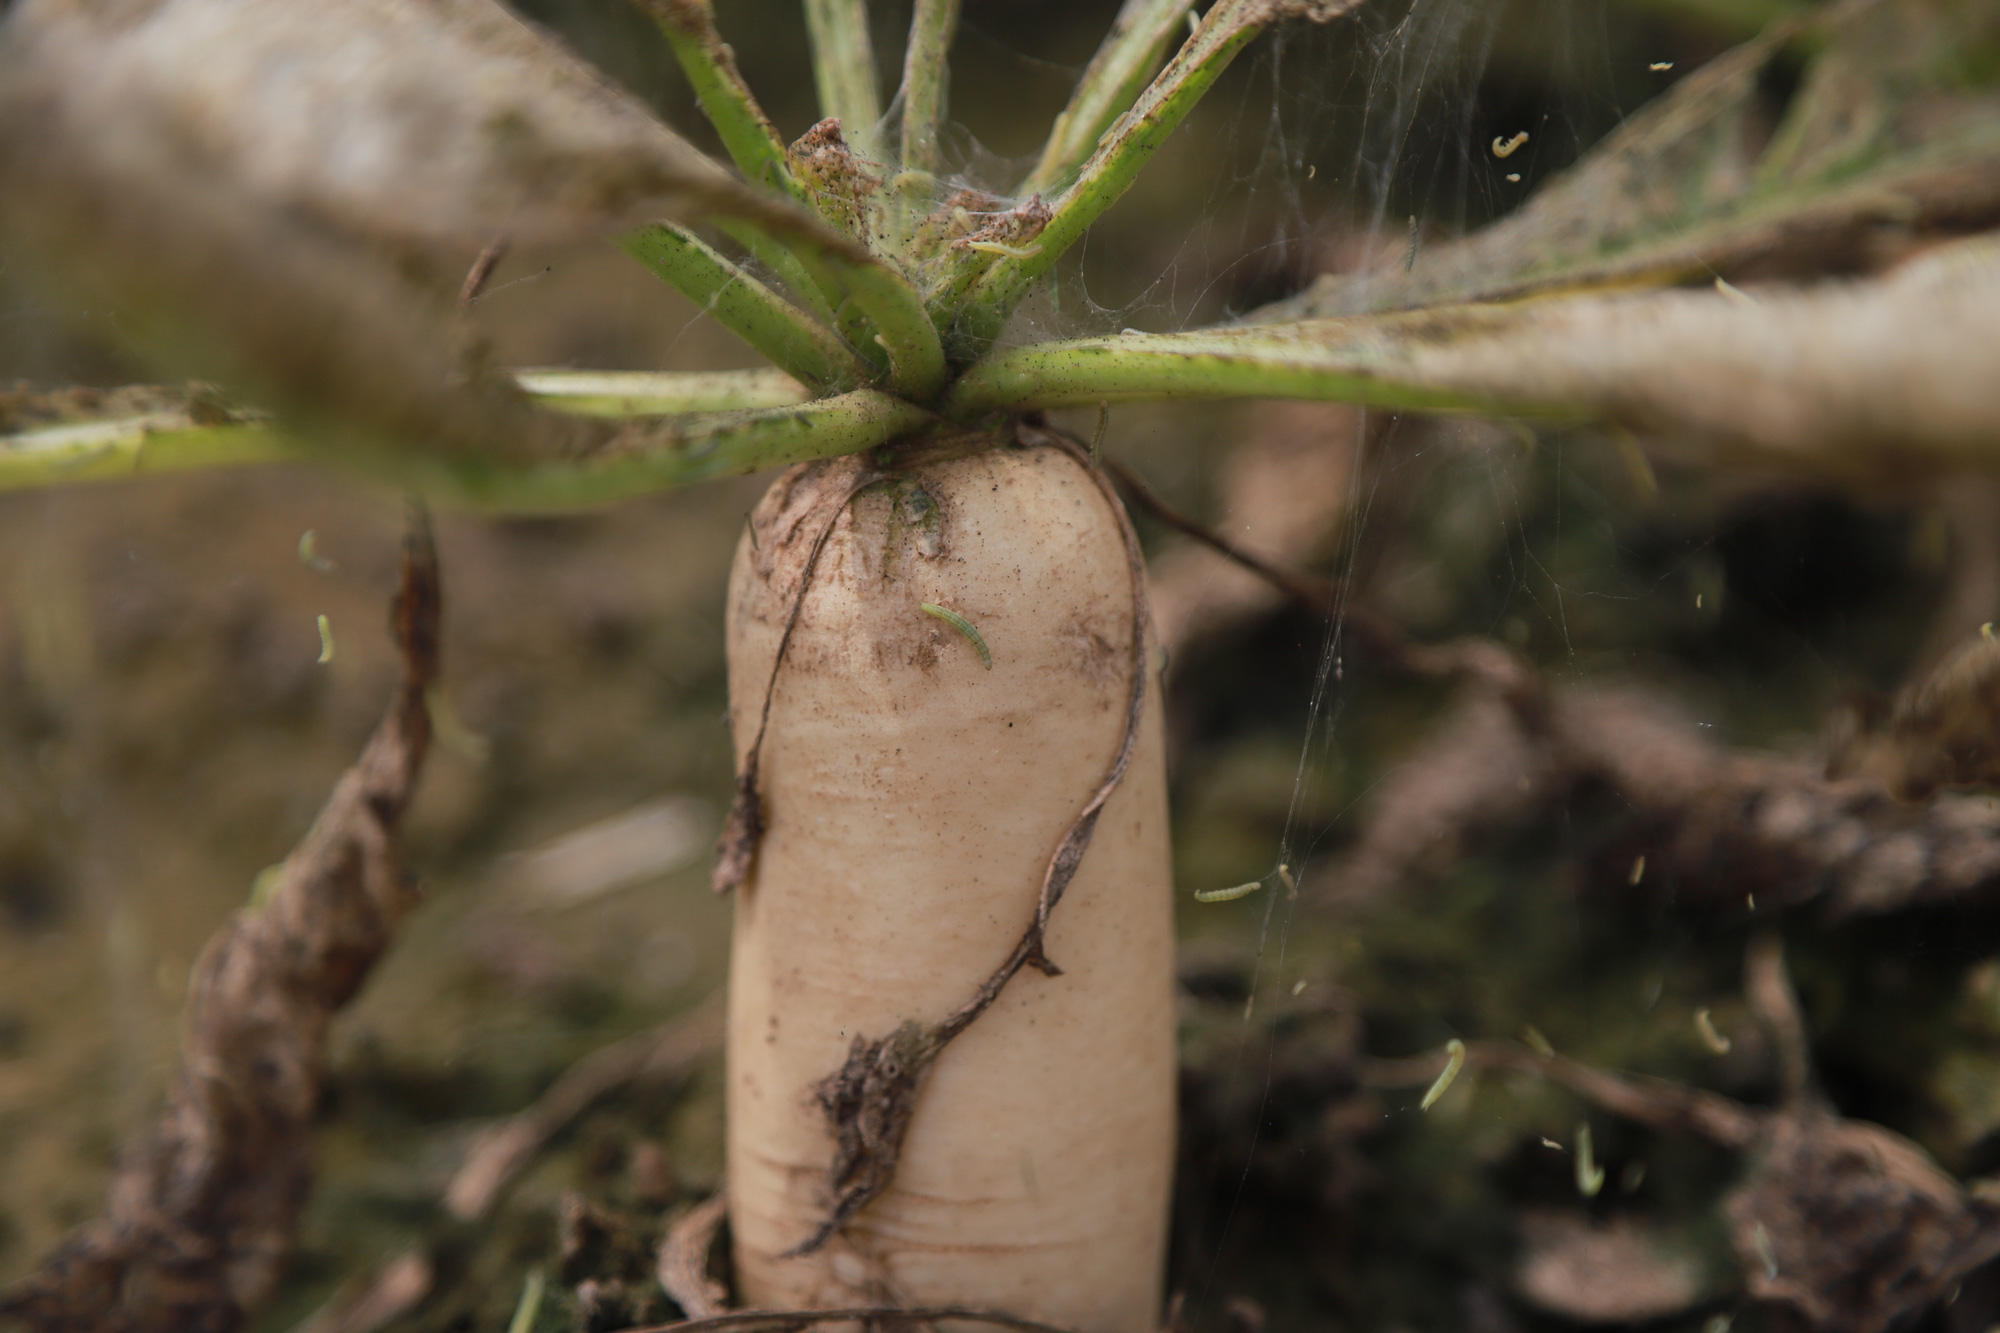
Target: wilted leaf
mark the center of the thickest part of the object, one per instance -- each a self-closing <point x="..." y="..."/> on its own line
<point x="202" y="1208"/>
<point x="1841" y="376"/>
<point x="1892" y="137"/>
<point x="281" y="194"/>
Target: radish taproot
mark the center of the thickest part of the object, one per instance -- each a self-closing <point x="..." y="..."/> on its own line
<point x="912" y="815"/>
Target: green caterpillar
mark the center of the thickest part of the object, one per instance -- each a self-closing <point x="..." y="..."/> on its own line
<point x="963" y="626"/>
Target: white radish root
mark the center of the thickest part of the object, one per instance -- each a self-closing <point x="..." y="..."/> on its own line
<point x="911" y="801"/>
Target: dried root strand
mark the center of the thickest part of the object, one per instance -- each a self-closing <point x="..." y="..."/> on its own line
<point x="869" y="1100"/>
<point x="201" y="1210"/>
<point x="744" y="828"/>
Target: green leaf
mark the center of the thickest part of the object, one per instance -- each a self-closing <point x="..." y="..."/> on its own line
<point x="85" y="436"/>
<point x="844" y="69"/>
<point x="1843" y="376"/>
<point x="1893" y="135"/>
<point x="258" y="187"/>
<point x="791" y="339"/>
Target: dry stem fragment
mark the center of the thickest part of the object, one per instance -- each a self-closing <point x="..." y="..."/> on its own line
<point x="683" y="1264"/>
<point x="1849" y="1225"/>
<point x="201" y="1212"/>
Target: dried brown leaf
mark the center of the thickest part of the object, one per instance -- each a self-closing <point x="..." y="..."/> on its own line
<point x="201" y="1211"/>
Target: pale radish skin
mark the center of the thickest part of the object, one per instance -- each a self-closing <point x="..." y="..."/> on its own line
<point x="913" y="800"/>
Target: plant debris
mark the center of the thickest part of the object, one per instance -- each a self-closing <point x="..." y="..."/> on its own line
<point x="201" y="1211"/>
<point x="1848" y="1225"/>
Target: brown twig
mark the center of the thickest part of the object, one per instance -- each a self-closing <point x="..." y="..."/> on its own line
<point x="1720" y="829"/>
<point x="1850" y="1226"/>
<point x="498" y="1156"/>
<point x="1768" y="988"/>
<point x="201" y="1212"/>
<point x="883" y="1314"/>
<point x="1649" y="1101"/>
<point x="1317" y="596"/>
<point x="394" y="1291"/>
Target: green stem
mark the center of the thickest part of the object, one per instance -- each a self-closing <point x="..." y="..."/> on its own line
<point x="1125" y="148"/>
<point x="133" y="447"/>
<point x="726" y="100"/>
<point x="1115" y="76"/>
<point x="786" y="264"/>
<point x="791" y="339"/>
<point x="637" y="459"/>
<point x="903" y="327"/>
<point x="844" y="69"/>
<point x="641" y="393"/>
<point x="649" y="456"/>
<point x="1353" y="361"/>
<point x="753" y="142"/>
<point x="932" y="27"/>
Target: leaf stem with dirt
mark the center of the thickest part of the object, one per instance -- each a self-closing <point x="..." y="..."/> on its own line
<point x="788" y="337"/>
<point x="844" y="69"/>
<point x="1110" y="84"/>
<point x="932" y="27"/>
<point x="1123" y="150"/>
<point x="746" y="132"/>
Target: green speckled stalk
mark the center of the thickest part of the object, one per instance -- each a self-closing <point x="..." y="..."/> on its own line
<point x="844" y="70"/>
<point x="1121" y="152"/>
<point x="1114" y="78"/>
<point x="710" y="66"/>
<point x="931" y="29"/>
<point x="638" y="459"/>
<point x="791" y="339"/>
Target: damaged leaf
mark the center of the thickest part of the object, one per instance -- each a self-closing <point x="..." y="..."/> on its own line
<point x="1843" y="376"/>
<point x="1892" y="141"/>
<point x="201" y="1211"/>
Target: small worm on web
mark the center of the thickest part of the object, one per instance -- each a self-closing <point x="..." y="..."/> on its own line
<point x="1454" y="1061"/>
<point x="1235" y="891"/>
<point x="1507" y="147"/>
<point x="325" y="639"/>
<point x="309" y="554"/>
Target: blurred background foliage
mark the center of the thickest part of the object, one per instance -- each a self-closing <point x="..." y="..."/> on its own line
<point x="166" y="732"/>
